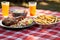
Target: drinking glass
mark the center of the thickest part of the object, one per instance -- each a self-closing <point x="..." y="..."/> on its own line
<point x="5" y="8"/>
<point x="32" y="8"/>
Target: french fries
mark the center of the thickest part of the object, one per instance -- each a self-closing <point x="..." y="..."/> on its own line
<point x="47" y="19"/>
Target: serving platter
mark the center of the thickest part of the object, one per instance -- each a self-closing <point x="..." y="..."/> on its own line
<point x="21" y="13"/>
<point x="33" y="23"/>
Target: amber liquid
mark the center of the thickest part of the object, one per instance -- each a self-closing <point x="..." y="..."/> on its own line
<point x="32" y="10"/>
<point x="5" y="10"/>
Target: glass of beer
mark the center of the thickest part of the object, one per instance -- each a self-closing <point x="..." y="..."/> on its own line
<point x="5" y="8"/>
<point x="32" y="8"/>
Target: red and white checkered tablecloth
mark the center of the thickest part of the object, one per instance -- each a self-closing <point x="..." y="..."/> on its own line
<point x="37" y="32"/>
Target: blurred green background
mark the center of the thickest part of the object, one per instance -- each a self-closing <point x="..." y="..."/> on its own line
<point x="53" y="5"/>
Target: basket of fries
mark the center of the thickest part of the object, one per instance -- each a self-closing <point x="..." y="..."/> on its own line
<point x="47" y="21"/>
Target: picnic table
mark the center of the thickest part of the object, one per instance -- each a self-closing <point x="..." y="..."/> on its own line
<point x="35" y="31"/>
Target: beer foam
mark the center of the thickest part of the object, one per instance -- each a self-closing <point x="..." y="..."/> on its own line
<point x="32" y="3"/>
<point x="5" y="3"/>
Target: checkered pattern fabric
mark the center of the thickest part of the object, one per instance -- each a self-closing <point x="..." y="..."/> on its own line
<point x="37" y="32"/>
